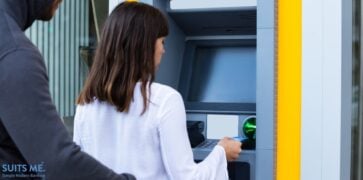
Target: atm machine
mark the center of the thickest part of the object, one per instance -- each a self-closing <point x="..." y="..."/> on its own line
<point x="211" y="60"/>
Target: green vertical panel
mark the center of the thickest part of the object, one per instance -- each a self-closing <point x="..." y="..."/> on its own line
<point x="77" y="34"/>
<point x="72" y="60"/>
<point x="59" y="41"/>
<point x="56" y="58"/>
<point x="29" y="33"/>
<point x="72" y="56"/>
<point x="45" y="50"/>
<point x="67" y="57"/>
<point x="80" y="19"/>
<point x="40" y="37"/>
<point x="61" y="59"/>
<point x="83" y="21"/>
<point x="51" y="57"/>
<point x="33" y="33"/>
<point x="86" y="40"/>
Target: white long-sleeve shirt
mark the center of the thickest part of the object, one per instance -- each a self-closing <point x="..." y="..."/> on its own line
<point x="154" y="146"/>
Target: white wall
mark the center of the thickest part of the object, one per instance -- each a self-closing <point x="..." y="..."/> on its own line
<point x="322" y="90"/>
<point x="59" y="40"/>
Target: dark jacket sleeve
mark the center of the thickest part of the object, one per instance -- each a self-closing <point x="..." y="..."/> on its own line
<point x="32" y="122"/>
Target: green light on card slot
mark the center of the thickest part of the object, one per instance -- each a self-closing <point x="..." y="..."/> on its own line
<point x="249" y="127"/>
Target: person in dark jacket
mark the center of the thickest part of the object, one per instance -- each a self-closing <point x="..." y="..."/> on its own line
<point x="33" y="139"/>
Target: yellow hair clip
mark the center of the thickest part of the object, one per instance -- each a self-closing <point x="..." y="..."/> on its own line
<point x="131" y="0"/>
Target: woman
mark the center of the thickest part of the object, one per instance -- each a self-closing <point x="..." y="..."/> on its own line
<point x="127" y="121"/>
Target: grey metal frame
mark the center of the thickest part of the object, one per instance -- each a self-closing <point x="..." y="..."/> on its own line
<point x="265" y="102"/>
<point x="346" y="89"/>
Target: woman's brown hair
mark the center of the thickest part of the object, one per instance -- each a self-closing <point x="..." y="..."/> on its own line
<point x="125" y="55"/>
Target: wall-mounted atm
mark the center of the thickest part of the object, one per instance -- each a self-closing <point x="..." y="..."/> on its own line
<point x="205" y="33"/>
<point x="211" y="60"/>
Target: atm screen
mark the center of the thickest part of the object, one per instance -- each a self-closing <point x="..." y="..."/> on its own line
<point x="223" y="74"/>
<point x="219" y="76"/>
